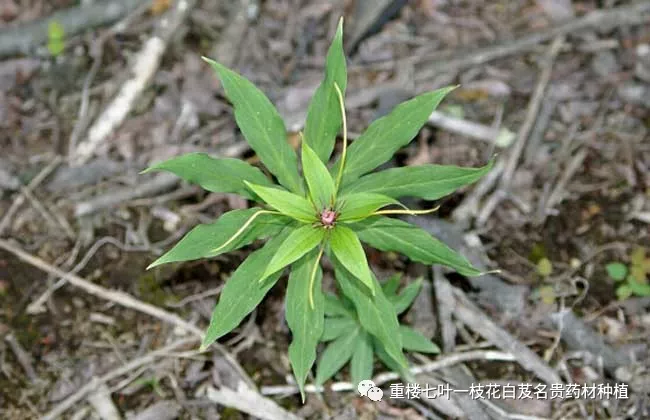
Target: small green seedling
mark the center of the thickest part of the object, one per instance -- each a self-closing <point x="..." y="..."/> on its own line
<point x="351" y="342"/>
<point x="55" y="38"/>
<point x="634" y="280"/>
<point x="329" y="211"/>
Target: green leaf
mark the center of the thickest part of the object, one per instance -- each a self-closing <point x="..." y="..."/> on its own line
<point x="204" y="240"/>
<point x="623" y="292"/>
<point x="242" y="292"/>
<point x="428" y="182"/>
<point x="299" y="242"/>
<point x="337" y="326"/>
<point x="361" y="205"/>
<point x="362" y="359"/>
<point x="261" y="125"/>
<point x="223" y="175"/>
<point x="321" y="184"/>
<point x="391" y="364"/>
<point x="638" y="288"/>
<point x="348" y="250"/>
<point x="388" y="134"/>
<point x="335" y="307"/>
<point x="376" y="314"/>
<point x="324" y="114"/>
<point x="285" y="202"/>
<point x="387" y="234"/>
<point x="336" y="355"/>
<point x="414" y="341"/>
<point x="402" y="301"/>
<point x="390" y="286"/>
<point x="306" y="323"/>
<point x="616" y="271"/>
<point x="544" y="267"/>
<point x="55" y="38"/>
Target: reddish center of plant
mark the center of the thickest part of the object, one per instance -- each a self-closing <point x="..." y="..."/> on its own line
<point x="328" y="218"/>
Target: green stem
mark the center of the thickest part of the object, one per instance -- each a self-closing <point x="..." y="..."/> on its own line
<point x="345" y="138"/>
<point x="407" y="211"/>
<point x="312" y="278"/>
<point x="244" y="226"/>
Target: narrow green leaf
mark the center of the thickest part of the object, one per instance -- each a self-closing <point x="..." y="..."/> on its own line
<point x="376" y="314"/>
<point x="402" y="301"/>
<point x="390" y="286"/>
<point x="337" y="326"/>
<point x="362" y="359"/>
<point x="336" y="355"/>
<point x="204" y="240"/>
<point x="242" y="292"/>
<point x="223" y="175"/>
<point x="261" y="125"/>
<point x="388" y="134"/>
<point x="348" y="250"/>
<point x="361" y="205"/>
<point x="428" y="182"/>
<point x="616" y="271"/>
<point x="387" y="234"/>
<point x="300" y="241"/>
<point x="285" y="202"/>
<point x="323" y="115"/>
<point x="335" y="307"/>
<point x="381" y="353"/>
<point x="319" y="181"/>
<point x="414" y="341"/>
<point x="306" y="323"/>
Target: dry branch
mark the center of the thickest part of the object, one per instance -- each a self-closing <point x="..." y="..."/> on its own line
<point x="635" y="14"/>
<point x="69" y="402"/>
<point x="144" y="67"/>
<point x="25" y="38"/>
<point x="477" y="320"/>
<point x="250" y="402"/>
<point x="119" y="297"/>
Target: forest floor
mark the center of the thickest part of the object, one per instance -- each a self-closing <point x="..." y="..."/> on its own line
<point x="559" y="91"/>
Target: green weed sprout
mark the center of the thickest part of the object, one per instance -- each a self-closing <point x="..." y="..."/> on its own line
<point x="326" y="212"/>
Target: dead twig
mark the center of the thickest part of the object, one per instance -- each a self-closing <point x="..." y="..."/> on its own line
<point x="147" y="359"/>
<point x="629" y="15"/>
<point x="531" y="115"/>
<point x="24" y="38"/>
<point x="499" y="137"/>
<point x="144" y="67"/>
<point x="96" y="51"/>
<point x="119" y="297"/>
<point x="472" y="316"/>
<point x="22" y="356"/>
<point x="248" y="401"/>
<point x="382" y="378"/>
<point x="160" y="182"/>
<point x="45" y="172"/>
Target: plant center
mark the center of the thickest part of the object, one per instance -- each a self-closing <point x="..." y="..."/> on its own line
<point x="328" y="218"/>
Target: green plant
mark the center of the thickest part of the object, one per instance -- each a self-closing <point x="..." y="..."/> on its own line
<point x="633" y="279"/>
<point x="351" y="342"/>
<point x="327" y="212"/>
<point x="55" y="38"/>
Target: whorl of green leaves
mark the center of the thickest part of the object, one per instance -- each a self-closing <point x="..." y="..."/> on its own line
<point x="323" y="211"/>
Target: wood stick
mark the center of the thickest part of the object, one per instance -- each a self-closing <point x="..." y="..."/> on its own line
<point x="119" y="297"/>
<point x="144" y="67"/>
<point x="25" y="38"/>
<point x="69" y="402"/>
<point x="467" y="312"/>
<point x="628" y="15"/>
